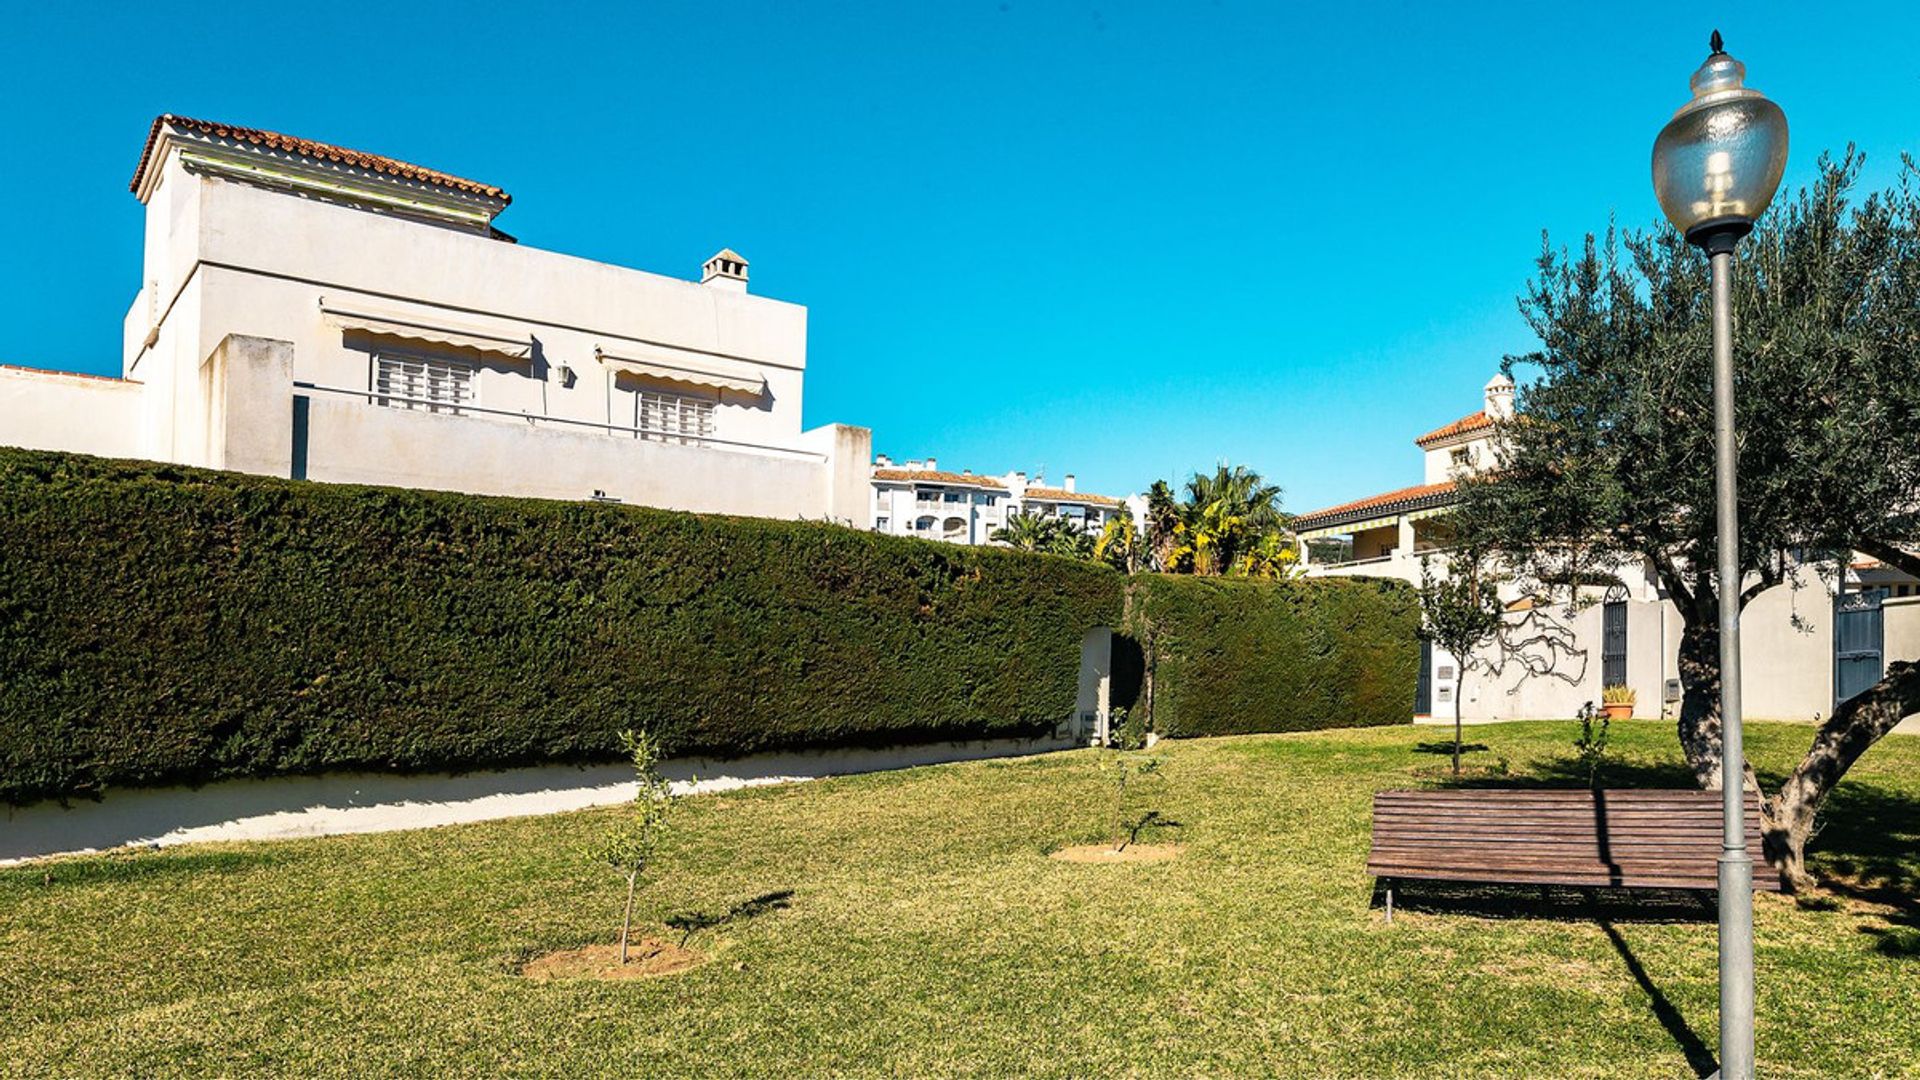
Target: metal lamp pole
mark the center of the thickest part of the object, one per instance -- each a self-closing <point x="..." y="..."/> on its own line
<point x="1736" y="866"/>
<point x="1716" y="166"/>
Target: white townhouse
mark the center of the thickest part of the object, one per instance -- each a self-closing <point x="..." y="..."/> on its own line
<point x="916" y="498"/>
<point x="311" y="311"/>
<point x="1804" y="649"/>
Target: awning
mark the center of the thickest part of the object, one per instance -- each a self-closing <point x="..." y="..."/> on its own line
<point x="411" y="328"/>
<point x="694" y="369"/>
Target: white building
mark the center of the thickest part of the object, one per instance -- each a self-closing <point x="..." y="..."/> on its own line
<point x="311" y="311"/>
<point x="1803" y="649"/>
<point x="916" y="498"/>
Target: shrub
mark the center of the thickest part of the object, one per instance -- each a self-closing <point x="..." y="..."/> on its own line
<point x="160" y="624"/>
<point x="1235" y="657"/>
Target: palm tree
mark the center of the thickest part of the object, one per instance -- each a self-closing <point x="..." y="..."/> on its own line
<point x="1119" y="543"/>
<point x="1244" y="493"/>
<point x="1229" y="523"/>
<point x="1026" y="532"/>
<point x="1162" y="524"/>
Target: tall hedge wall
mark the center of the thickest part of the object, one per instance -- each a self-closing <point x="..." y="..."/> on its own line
<point x="1231" y="657"/>
<point x="161" y="624"/>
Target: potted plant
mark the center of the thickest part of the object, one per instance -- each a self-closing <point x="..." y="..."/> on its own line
<point x="1617" y="702"/>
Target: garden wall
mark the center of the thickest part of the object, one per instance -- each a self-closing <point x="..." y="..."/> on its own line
<point x="1226" y="657"/>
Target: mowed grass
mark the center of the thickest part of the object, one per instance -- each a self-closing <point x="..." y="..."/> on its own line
<point x="927" y="933"/>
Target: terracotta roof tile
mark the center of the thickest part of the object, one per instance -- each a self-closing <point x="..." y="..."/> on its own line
<point x="929" y="476"/>
<point x="273" y="140"/>
<point x="1473" y="422"/>
<point x="1391" y="500"/>
<point x="1063" y="495"/>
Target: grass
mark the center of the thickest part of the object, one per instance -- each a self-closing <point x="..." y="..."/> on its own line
<point x="919" y="929"/>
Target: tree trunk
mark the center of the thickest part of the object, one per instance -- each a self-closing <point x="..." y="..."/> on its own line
<point x="1459" y="686"/>
<point x="1699" y="665"/>
<point x="626" y="919"/>
<point x="1859" y="722"/>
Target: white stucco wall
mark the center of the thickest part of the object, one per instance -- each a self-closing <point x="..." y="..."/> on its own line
<point x="227" y="260"/>
<point x="51" y="410"/>
<point x="300" y="806"/>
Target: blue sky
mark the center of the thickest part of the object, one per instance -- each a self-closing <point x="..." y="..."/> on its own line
<point x="1122" y="240"/>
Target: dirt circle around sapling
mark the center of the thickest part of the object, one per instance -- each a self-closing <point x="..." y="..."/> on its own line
<point x="645" y="960"/>
<point x="1105" y="853"/>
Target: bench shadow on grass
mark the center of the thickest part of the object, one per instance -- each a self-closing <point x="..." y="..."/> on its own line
<point x="1863" y="852"/>
<point x="692" y="922"/>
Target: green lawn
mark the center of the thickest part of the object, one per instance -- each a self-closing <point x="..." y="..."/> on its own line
<point x="927" y="933"/>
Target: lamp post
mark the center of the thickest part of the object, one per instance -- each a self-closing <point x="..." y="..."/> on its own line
<point x="1715" y="167"/>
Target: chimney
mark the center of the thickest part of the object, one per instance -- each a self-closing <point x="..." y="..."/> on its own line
<point x="726" y="270"/>
<point x="933" y="465"/>
<point x="1499" y="397"/>
<point x="1069" y="482"/>
<point x="882" y="460"/>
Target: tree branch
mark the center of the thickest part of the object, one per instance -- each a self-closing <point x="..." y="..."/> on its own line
<point x="1898" y="558"/>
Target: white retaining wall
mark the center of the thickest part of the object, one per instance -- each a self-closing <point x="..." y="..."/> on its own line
<point x="287" y="807"/>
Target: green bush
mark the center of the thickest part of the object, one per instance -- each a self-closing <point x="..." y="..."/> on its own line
<point x="1232" y="657"/>
<point x="162" y="624"/>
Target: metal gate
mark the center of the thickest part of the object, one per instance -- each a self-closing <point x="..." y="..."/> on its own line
<point x="1423" y="690"/>
<point x="1858" y="630"/>
<point x="1613" y="641"/>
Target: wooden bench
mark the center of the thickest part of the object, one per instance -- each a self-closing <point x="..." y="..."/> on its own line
<point x="1631" y="839"/>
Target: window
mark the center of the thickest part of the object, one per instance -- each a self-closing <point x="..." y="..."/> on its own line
<point x="880" y="524"/>
<point x="427" y="383"/>
<point x="1462" y="457"/>
<point x="664" y="416"/>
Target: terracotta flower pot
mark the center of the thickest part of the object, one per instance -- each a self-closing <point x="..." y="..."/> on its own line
<point x="1618" y="710"/>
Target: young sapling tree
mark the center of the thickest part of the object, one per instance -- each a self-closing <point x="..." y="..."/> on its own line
<point x="1460" y="611"/>
<point x="1129" y="769"/>
<point x="629" y="843"/>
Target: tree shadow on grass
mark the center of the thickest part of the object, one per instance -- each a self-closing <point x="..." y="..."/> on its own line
<point x="1446" y="747"/>
<point x="691" y="922"/>
<point x="1867" y="850"/>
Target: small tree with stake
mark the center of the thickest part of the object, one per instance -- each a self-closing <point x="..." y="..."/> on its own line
<point x="1460" y="612"/>
<point x="629" y="843"/>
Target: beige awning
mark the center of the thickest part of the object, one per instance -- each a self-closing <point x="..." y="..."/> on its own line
<point x="694" y="369"/>
<point x="436" y="332"/>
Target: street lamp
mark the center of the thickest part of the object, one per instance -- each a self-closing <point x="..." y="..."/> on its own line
<point x="1715" y="167"/>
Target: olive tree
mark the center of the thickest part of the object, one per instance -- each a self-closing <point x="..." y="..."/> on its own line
<point x="1608" y="461"/>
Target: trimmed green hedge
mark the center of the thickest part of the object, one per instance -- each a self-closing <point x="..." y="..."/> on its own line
<point x="161" y="624"/>
<point x="1229" y="657"/>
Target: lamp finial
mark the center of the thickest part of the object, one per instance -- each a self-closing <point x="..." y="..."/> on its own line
<point x="1718" y="48"/>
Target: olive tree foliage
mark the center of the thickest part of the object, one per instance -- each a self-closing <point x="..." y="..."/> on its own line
<point x="1608" y="463"/>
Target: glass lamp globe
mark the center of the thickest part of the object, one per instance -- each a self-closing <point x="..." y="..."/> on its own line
<point x="1718" y="162"/>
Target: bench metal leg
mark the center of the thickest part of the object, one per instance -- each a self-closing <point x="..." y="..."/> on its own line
<point x="1389" y="903"/>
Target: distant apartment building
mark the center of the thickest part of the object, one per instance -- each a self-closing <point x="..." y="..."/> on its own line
<point x="918" y="498"/>
<point x="311" y="311"/>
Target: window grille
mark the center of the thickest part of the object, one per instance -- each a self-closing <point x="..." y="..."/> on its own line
<point x="674" y="418"/>
<point x="426" y="383"/>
